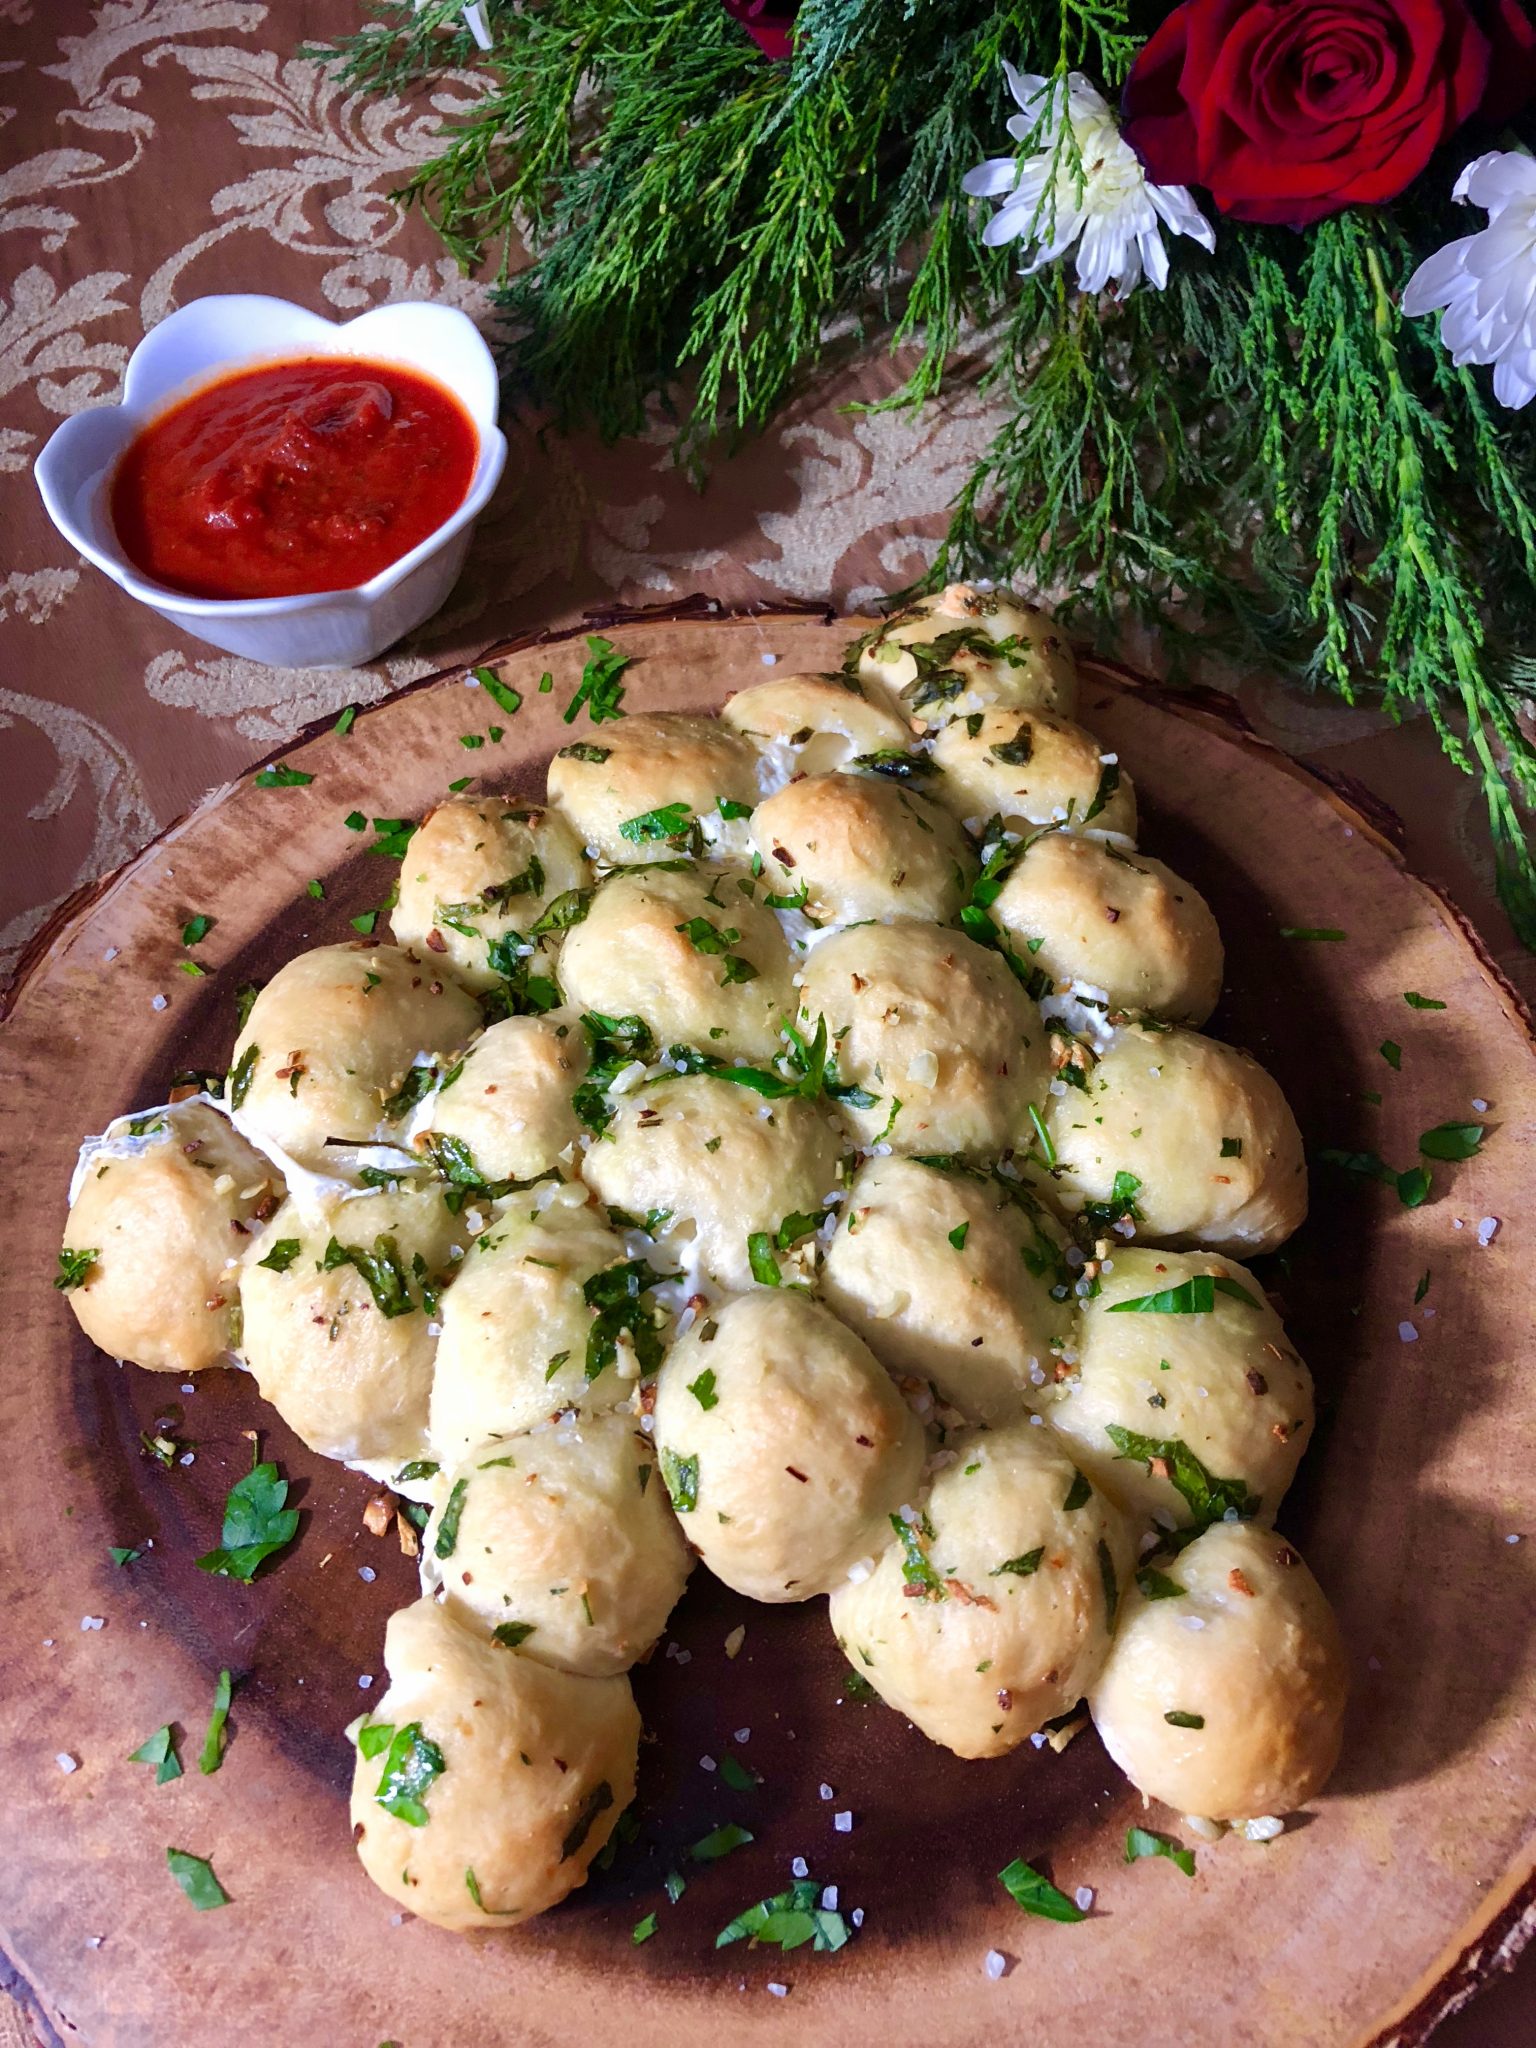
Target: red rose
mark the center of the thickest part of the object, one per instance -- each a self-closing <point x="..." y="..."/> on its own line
<point x="1286" y="110"/>
<point x="767" y="22"/>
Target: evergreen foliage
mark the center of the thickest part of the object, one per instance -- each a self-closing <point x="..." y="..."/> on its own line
<point x="1266" y="440"/>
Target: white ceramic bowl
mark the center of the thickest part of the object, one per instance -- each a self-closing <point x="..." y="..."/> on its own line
<point x="209" y="338"/>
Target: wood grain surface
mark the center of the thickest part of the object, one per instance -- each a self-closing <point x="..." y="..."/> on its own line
<point x="1356" y="1927"/>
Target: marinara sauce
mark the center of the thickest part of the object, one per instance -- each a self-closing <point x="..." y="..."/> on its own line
<point x="309" y="475"/>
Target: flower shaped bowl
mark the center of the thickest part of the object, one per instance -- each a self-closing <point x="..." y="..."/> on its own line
<point x="233" y="331"/>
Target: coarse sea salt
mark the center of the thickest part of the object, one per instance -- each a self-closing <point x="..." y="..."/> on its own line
<point x="829" y="1898"/>
<point x="90" y="1621"/>
<point x="1487" y="1230"/>
<point x="367" y="1574"/>
<point x="1082" y="1898"/>
<point x="1407" y="1333"/>
<point x="798" y="1867"/>
<point x="778" y="1990"/>
<point x="66" y="1762"/>
<point x="365" y="1681"/>
<point x="157" y="1002"/>
<point x="827" y="1792"/>
<point x="843" y="1822"/>
<point x="994" y="1963"/>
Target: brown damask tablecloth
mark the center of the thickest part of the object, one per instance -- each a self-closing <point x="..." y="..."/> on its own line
<point x="152" y="151"/>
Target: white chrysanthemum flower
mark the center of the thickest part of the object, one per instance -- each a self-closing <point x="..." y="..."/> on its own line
<point x="1096" y="195"/>
<point x="1485" y="284"/>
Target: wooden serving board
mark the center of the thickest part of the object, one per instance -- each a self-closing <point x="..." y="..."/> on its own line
<point x="1361" y="1925"/>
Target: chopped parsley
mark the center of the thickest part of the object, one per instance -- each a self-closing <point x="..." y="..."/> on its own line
<point x="257" y="1524"/>
<point x="680" y="1476"/>
<point x="916" y="1568"/>
<point x="1110" y="1584"/>
<point x="568" y="908"/>
<point x="1142" y="1842"/>
<point x="643" y="1929"/>
<point x="195" y="1873"/>
<point x="448" y="1528"/>
<point x="501" y="693"/>
<point x="214" y="1741"/>
<point x="282" y="1255"/>
<point x="1392" y="1053"/>
<point x="196" y="929"/>
<point x="345" y="723"/>
<point x="411" y="1766"/>
<point x="1231" y="1148"/>
<point x="670" y="822"/>
<point x="382" y="1270"/>
<point x="599" y="689"/>
<point x="703" y="1389"/>
<point x="737" y="1776"/>
<point x="789" y="1920"/>
<point x="513" y="1634"/>
<point x="616" y="1294"/>
<point x="720" y="1842"/>
<point x="1036" y="1894"/>
<point x="74" y="1269"/>
<point x="159" y="1750"/>
<point x="728" y="808"/>
<point x="1451" y="1141"/>
<point x="958" y="1236"/>
<point x="1207" y="1498"/>
<point x="1177" y="1718"/>
<point x="765" y="1267"/>
<point x="1412" y="1185"/>
<point x="1022" y="1567"/>
<point x="1193" y="1297"/>
<point x="1309" y="931"/>
<point x="1417" y="1002"/>
<point x="281" y="777"/>
<point x="1079" y="1493"/>
<point x="1156" y="1585"/>
<point x="123" y="1554"/>
<point x="597" y="1801"/>
<point x="242" y="1074"/>
<point x="1121" y="1205"/>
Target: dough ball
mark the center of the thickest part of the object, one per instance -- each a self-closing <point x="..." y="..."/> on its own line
<point x="1202" y="1127"/>
<point x="1251" y="1651"/>
<point x="812" y="725"/>
<point x="691" y="953"/>
<point x="1223" y="1385"/>
<point x="1031" y="769"/>
<point x="992" y="1610"/>
<point x="509" y="1103"/>
<point x="963" y="649"/>
<point x="927" y="1018"/>
<point x="975" y="1318"/>
<point x="340" y="1345"/>
<point x="718" y="1163"/>
<point x="513" y="1775"/>
<point x="784" y="1445"/>
<point x="562" y="1538"/>
<point x="863" y="846"/>
<point x="633" y="768"/>
<point x="329" y="1040"/>
<point x="1118" y="922"/>
<point x="478" y="870"/>
<point x="165" y="1205"/>
<point x="516" y="1323"/>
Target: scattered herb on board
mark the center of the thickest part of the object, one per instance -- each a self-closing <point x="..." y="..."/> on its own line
<point x="345" y="722"/>
<point x="1036" y="1894"/>
<point x="281" y="777"/>
<point x="122" y="1554"/>
<point x="1417" y="1002"/>
<point x="1452" y="1141"/>
<point x="789" y="1920"/>
<point x="510" y="700"/>
<point x="195" y="1873"/>
<point x="643" y="1929"/>
<point x="159" y="1750"/>
<point x="1412" y="1186"/>
<point x="599" y="689"/>
<point x="737" y="1776"/>
<point x="214" y="1741"/>
<point x="1392" y="1053"/>
<point x="257" y="1524"/>
<point x="720" y="1842"/>
<point x="196" y="929"/>
<point x="1309" y="931"/>
<point x="1142" y="1842"/>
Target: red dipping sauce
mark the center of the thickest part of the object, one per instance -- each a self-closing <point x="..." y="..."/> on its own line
<point x="310" y="475"/>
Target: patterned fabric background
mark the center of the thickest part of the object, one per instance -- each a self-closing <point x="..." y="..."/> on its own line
<point x="152" y="151"/>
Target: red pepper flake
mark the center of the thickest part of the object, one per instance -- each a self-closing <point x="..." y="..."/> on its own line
<point x="436" y="943"/>
<point x="797" y="1475"/>
<point x="1238" y="1582"/>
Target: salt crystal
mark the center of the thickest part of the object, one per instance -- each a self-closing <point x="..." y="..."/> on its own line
<point x="779" y="1990"/>
<point x="827" y="1792"/>
<point x="994" y="1963"/>
<point x="799" y="1867"/>
<point x="187" y="1458"/>
<point x="742" y="1735"/>
<point x="1479" y="1105"/>
<point x="857" y="1916"/>
<point x="1457" y="1224"/>
<point x="1038" y="1739"/>
<point x="1082" y="1898"/>
<point x="365" y="1681"/>
<point x="829" y="1899"/>
<point x="1265" y="1828"/>
<point x="110" y="954"/>
<point x="48" y="1642"/>
<point x="1192" y="1622"/>
<point x="1040" y="1419"/>
<point x="707" y="1763"/>
<point x="735" y="1639"/>
<point x="157" y="1002"/>
<point x="843" y="1822"/>
<point x="768" y="660"/>
<point x="1487" y="1230"/>
<point x="66" y="1762"/>
<point x="188" y="1387"/>
<point x="367" y="1574"/>
<point x="94" y="1940"/>
<point x="90" y="1621"/>
<point x="1511" y="1539"/>
<point x="1408" y="1333"/>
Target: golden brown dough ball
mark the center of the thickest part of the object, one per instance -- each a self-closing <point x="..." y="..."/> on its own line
<point x="562" y="1539"/>
<point x="963" y="649"/>
<point x="660" y="773"/>
<point x="948" y="1278"/>
<point x="812" y="725"/>
<point x="329" y="1040"/>
<point x="486" y="1782"/>
<point x="1222" y="1386"/>
<point x="691" y="953"/>
<point x="783" y="1443"/>
<point x="509" y="1102"/>
<point x="993" y="1609"/>
<point x="714" y="1164"/>
<point x="862" y="846"/>
<point x="340" y="1301"/>
<point x="1031" y="770"/>
<point x="516" y="1323"/>
<point x="164" y="1206"/>
<point x="1225" y="1698"/>
<point x="1206" y="1132"/>
<point x="927" y="1019"/>
<point x="1118" y="922"/>
<point x="481" y="870"/>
